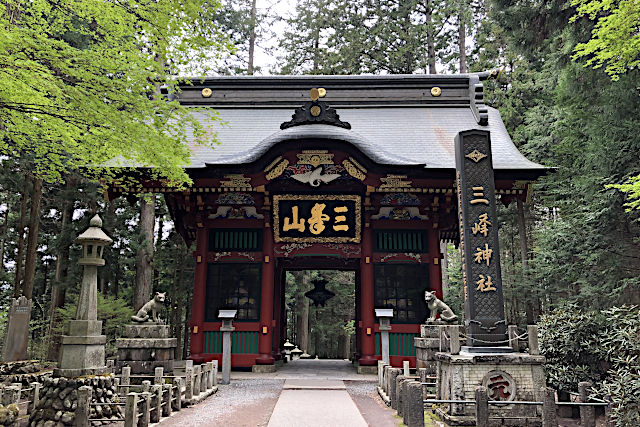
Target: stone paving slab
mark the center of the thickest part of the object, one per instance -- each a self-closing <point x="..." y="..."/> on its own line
<point x="313" y="384"/>
<point x="316" y="408"/>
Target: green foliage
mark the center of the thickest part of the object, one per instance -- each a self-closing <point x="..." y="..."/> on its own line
<point x="599" y="346"/>
<point x="114" y="313"/>
<point x="80" y="82"/>
<point x="615" y="38"/>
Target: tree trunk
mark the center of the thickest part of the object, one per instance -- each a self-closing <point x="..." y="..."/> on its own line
<point x="524" y="257"/>
<point x="4" y="237"/>
<point x="302" y="329"/>
<point x="431" y="49"/>
<point x="144" y="258"/>
<point x="252" y="38"/>
<point x="462" y="39"/>
<point x="17" y="286"/>
<point x="58" y="292"/>
<point x="32" y="241"/>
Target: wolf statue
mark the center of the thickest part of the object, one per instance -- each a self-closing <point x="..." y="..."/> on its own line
<point x="149" y="312"/>
<point x="436" y="306"/>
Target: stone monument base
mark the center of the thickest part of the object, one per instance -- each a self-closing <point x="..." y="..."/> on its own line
<point x="507" y="376"/>
<point x="146" y="347"/>
<point x="82" y="350"/>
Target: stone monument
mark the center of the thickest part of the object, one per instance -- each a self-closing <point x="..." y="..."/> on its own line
<point x="15" y="345"/>
<point x="147" y="343"/>
<point x="83" y="346"/>
<point x="486" y="360"/>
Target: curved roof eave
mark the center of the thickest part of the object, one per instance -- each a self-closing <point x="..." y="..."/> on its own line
<point x="320" y="131"/>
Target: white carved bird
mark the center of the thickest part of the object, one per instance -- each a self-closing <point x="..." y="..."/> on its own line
<point x="315" y="177"/>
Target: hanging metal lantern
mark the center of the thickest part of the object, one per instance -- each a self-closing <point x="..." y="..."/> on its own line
<point x="319" y="295"/>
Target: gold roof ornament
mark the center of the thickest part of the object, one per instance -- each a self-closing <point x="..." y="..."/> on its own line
<point x="436" y="91"/>
<point x="207" y="92"/>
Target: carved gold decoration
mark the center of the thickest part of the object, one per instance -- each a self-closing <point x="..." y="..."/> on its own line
<point x="315" y="158"/>
<point x="207" y="92"/>
<point x="315" y="111"/>
<point x="322" y="92"/>
<point x="273" y="163"/>
<point x="277" y="170"/>
<point x="314" y="94"/>
<point x="395" y="181"/>
<point x="476" y="156"/>
<point x="236" y="180"/>
<point x="353" y="170"/>
<point x="436" y="91"/>
<point x="276" y="218"/>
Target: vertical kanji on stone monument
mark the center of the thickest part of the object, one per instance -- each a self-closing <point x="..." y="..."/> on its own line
<point x="482" y="280"/>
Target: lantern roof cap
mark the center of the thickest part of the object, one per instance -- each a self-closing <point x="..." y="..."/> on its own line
<point x="94" y="233"/>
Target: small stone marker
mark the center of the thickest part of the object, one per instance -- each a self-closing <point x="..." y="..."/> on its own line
<point x="15" y="346"/>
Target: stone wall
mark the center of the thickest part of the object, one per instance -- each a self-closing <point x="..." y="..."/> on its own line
<point x="59" y="400"/>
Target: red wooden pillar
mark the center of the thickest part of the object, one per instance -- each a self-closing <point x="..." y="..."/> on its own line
<point x="368" y="342"/>
<point x="199" y="298"/>
<point x="266" y="298"/>
<point x="435" y="272"/>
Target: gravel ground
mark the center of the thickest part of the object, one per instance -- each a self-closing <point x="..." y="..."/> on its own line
<point x="372" y="408"/>
<point x="241" y="403"/>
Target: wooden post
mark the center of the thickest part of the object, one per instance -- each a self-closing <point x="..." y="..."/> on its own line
<point x="125" y="381"/>
<point x="549" y="418"/>
<point x="177" y="382"/>
<point x="188" y="391"/>
<point x="512" y="332"/>
<point x="143" y="421"/>
<point x="35" y="395"/>
<point x="587" y="413"/>
<point x="158" y="373"/>
<point x="482" y="406"/>
<point x="167" y="409"/>
<point x="131" y="410"/>
<point x="83" y="409"/>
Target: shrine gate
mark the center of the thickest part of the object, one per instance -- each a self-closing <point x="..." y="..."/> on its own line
<point x="328" y="172"/>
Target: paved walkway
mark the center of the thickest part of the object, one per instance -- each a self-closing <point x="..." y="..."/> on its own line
<point x="306" y="393"/>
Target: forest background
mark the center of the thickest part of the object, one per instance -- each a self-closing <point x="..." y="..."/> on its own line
<point x="569" y="96"/>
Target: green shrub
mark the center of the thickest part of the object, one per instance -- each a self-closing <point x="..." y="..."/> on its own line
<point x="602" y="347"/>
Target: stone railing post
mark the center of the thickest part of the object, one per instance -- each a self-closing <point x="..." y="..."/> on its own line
<point x="146" y="386"/>
<point x="156" y="404"/>
<point x="83" y="409"/>
<point x="167" y="409"/>
<point x="210" y="375"/>
<point x="454" y="338"/>
<point x="110" y="365"/>
<point x="188" y="391"/>
<point x="482" y="406"/>
<point x="125" y="380"/>
<point x="391" y="386"/>
<point x="405" y="400"/>
<point x="587" y="413"/>
<point x="10" y="395"/>
<point x="532" y="337"/>
<point x="177" y="382"/>
<point x="215" y="373"/>
<point x="197" y="376"/>
<point x="35" y="395"/>
<point x="512" y="334"/>
<point x="157" y="375"/>
<point x="145" y="410"/>
<point x="204" y="377"/>
<point x="399" y="396"/>
<point x="549" y="418"/>
<point x="405" y="368"/>
<point x="415" y="405"/>
<point x="131" y="410"/>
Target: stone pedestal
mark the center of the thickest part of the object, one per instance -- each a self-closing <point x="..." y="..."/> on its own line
<point x="426" y="347"/>
<point x="514" y="376"/>
<point x="145" y="347"/>
<point x="15" y="345"/>
<point x="82" y="350"/>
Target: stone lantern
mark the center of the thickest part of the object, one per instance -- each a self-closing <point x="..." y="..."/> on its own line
<point x="384" y="316"/>
<point x="83" y="346"/>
